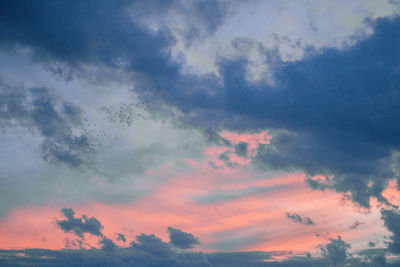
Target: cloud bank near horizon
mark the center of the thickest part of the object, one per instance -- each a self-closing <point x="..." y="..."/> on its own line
<point x="149" y="250"/>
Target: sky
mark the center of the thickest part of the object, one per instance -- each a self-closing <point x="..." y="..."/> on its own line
<point x="200" y="133"/>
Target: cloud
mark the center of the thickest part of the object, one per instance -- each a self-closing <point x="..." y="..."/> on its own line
<point x="391" y="220"/>
<point x="152" y="244"/>
<point x="121" y="237"/>
<point x="80" y="225"/>
<point x="136" y="257"/>
<point x="94" y="32"/>
<point x="332" y="111"/>
<point x="297" y="218"/>
<point x="180" y="239"/>
<point x="59" y="123"/>
<point x="226" y="159"/>
<point x="336" y="107"/>
<point x="335" y="252"/>
<point x="241" y="149"/>
<point x="202" y="18"/>
<point x="150" y="250"/>
<point x="108" y="245"/>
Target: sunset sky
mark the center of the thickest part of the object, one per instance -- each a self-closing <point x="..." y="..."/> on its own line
<point x="200" y="132"/>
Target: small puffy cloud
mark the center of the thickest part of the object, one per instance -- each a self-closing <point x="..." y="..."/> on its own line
<point x="299" y="219"/>
<point x="79" y="225"/>
<point x="180" y="239"/>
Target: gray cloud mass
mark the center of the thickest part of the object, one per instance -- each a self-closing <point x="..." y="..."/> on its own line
<point x="57" y="121"/>
<point x="181" y="239"/>
<point x="80" y="225"/>
<point x="333" y="111"/>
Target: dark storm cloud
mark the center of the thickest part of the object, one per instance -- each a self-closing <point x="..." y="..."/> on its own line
<point x="58" y="121"/>
<point x="299" y="219"/>
<point x="81" y="225"/>
<point x="391" y="220"/>
<point x="180" y="239"/>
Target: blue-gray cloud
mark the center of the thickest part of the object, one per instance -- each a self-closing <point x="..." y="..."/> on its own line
<point x="226" y="159"/>
<point x="93" y="32"/>
<point x="333" y="112"/>
<point x="202" y="18"/>
<point x="80" y="225"/>
<point x="150" y="250"/>
<point x="152" y="244"/>
<point x="121" y="237"/>
<point x="108" y="245"/>
<point x="337" y="108"/>
<point x="391" y="220"/>
<point x="299" y="219"/>
<point x="180" y="239"/>
<point x="336" y="252"/>
<point x="241" y="149"/>
<point x="59" y="122"/>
